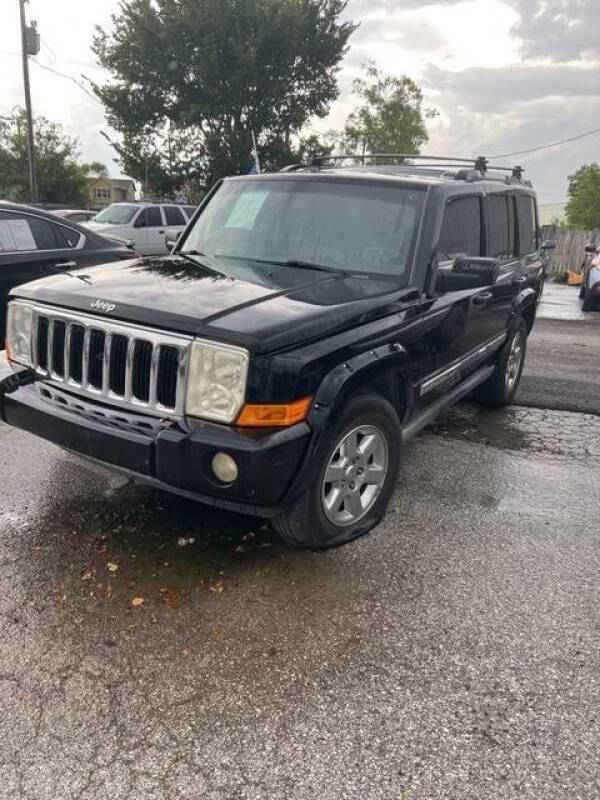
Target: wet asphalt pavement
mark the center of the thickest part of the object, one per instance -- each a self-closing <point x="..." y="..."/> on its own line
<point x="453" y="653"/>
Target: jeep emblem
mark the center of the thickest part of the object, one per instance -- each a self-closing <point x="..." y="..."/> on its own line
<point x="101" y="305"/>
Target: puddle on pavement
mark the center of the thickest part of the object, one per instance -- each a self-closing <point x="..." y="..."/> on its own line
<point x="520" y="429"/>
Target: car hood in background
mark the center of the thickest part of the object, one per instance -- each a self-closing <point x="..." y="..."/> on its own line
<point x="263" y="308"/>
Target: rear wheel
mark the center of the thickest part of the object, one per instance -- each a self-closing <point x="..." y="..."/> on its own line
<point x="589" y="301"/>
<point x="354" y="474"/>
<point x="502" y="385"/>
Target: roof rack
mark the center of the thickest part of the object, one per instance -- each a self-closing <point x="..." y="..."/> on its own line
<point x="481" y="163"/>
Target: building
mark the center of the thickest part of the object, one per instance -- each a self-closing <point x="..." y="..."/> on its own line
<point x="105" y="190"/>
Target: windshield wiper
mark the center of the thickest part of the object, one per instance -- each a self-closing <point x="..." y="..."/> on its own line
<point x="287" y="263"/>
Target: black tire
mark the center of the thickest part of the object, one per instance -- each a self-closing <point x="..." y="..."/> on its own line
<point x="497" y="390"/>
<point x="305" y="524"/>
<point x="589" y="301"/>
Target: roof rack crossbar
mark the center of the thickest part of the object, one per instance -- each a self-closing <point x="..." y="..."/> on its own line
<point x="480" y="163"/>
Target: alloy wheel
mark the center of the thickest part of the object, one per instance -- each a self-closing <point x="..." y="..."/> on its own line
<point x="354" y="475"/>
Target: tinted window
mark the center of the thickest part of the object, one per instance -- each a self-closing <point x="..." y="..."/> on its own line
<point x="527" y="227"/>
<point x="461" y="229"/>
<point x="189" y="210"/>
<point x="153" y="217"/>
<point x="67" y="236"/>
<point x="500" y="226"/>
<point x="174" y="215"/>
<point x="369" y="227"/>
<point x="45" y="234"/>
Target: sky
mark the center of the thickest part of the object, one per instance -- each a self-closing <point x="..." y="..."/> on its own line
<point x="504" y="75"/>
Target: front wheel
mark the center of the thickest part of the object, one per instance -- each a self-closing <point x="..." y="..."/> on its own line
<point x="354" y="474"/>
<point x="502" y="385"/>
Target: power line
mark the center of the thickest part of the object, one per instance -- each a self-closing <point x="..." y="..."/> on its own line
<point x="545" y="146"/>
<point x="68" y="77"/>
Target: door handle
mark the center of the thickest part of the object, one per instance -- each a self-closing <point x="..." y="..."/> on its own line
<point x="66" y="264"/>
<point x="482" y="298"/>
<point x="161" y="231"/>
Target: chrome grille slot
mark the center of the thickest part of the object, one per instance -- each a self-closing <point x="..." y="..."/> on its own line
<point x="118" y="357"/>
<point x="96" y="358"/>
<point x="126" y="366"/>
<point x="59" y="329"/>
<point x="75" y="352"/>
<point x="42" y="343"/>
<point x="168" y="365"/>
<point x="140" y="372"/>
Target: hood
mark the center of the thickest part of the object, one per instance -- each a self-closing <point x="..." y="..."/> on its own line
<point x="264" y="308"/>
<point x="103" y="227"/>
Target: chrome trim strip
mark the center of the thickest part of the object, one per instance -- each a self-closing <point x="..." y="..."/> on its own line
<point x="472" y="358"/>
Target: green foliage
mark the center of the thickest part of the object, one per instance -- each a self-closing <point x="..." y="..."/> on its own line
<point x="191" y="79"/>
<point x="583" y="208"/>
<point x="390" y="117"/>
<point x="61" y="179"/>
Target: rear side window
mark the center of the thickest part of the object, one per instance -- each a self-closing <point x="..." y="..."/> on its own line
<point x="461" y="229"/>
<point x="527" y="224"/>
<point x="189" y="210"/>
<point x="153" y="217"/>
<point x="500" y="226"/>
<point x="173" y="215"/>
<point x="67" y="236"/>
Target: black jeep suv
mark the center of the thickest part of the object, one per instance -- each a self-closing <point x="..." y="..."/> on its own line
<point x="305" y="326"/>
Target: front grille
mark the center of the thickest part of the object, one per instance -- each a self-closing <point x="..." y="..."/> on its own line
<point x="129" y="366"/>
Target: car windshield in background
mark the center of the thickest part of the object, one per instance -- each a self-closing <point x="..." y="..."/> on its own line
<point x="116" y="215"/>
<point x="343" y="225"/>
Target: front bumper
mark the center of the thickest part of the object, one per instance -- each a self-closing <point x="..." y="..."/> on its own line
<point x="169" y="455"/>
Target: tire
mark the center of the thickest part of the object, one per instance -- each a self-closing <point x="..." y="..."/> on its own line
<point x="502" y="385"/>
<point x="369" y="423"/>
<point x="589" y="301"/>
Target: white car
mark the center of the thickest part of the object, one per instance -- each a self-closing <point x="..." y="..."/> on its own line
<point x="145" y="224"/>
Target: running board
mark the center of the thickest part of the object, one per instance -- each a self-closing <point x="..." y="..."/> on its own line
<point x="426" y="417"/>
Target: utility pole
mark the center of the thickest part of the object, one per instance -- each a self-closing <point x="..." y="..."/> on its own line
<point x="29" y="44"/>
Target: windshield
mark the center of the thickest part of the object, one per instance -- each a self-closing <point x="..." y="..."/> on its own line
<point x="343" y="225"/>
<point x="116" y="214"/>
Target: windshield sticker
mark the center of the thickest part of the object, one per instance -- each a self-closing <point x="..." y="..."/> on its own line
<point x="246" y="210"/>
<point x="16" y="235"/>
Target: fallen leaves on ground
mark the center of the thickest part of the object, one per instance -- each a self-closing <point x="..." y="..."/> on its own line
<point x="184" y="542"/>
<point x="138" y="601"/>
<point x="217" y="586"/>
<point x="112" y="567"/>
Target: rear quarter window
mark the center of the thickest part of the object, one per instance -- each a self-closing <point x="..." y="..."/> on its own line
<point x="526" y="224"/>
<point x="500" y="226"/>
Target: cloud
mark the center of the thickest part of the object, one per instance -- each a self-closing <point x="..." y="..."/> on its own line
<point x="564" y="30"/>
<point x="502" y="88"/>
<point x="408" y="34"/>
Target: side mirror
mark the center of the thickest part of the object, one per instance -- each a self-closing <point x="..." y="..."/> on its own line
<point x="548" y="244"/>
<point x="590" y="248"/>
<point x="171" y="238"/>
<point x="482" y="271"/>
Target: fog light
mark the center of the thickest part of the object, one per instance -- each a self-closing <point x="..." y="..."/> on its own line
<point x="224" y="468"/>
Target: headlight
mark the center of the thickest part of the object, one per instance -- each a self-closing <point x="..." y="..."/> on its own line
<point x="216" y="381"/>
<point x="18" y="332"/>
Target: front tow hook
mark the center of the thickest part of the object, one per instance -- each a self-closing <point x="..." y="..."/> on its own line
<point x="13" y="382"/>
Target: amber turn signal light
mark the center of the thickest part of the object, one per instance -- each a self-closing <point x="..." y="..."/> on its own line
<point x="274" y="415"/>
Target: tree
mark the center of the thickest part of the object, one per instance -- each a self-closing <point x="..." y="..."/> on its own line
<point x="192" y="79"/>
<point x="583" y="208"/>
<point x="61" y="179"/>
<point x="390" y="118"/>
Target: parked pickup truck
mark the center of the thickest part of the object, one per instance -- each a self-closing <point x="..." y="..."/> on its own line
<point x="305" y="326"/>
